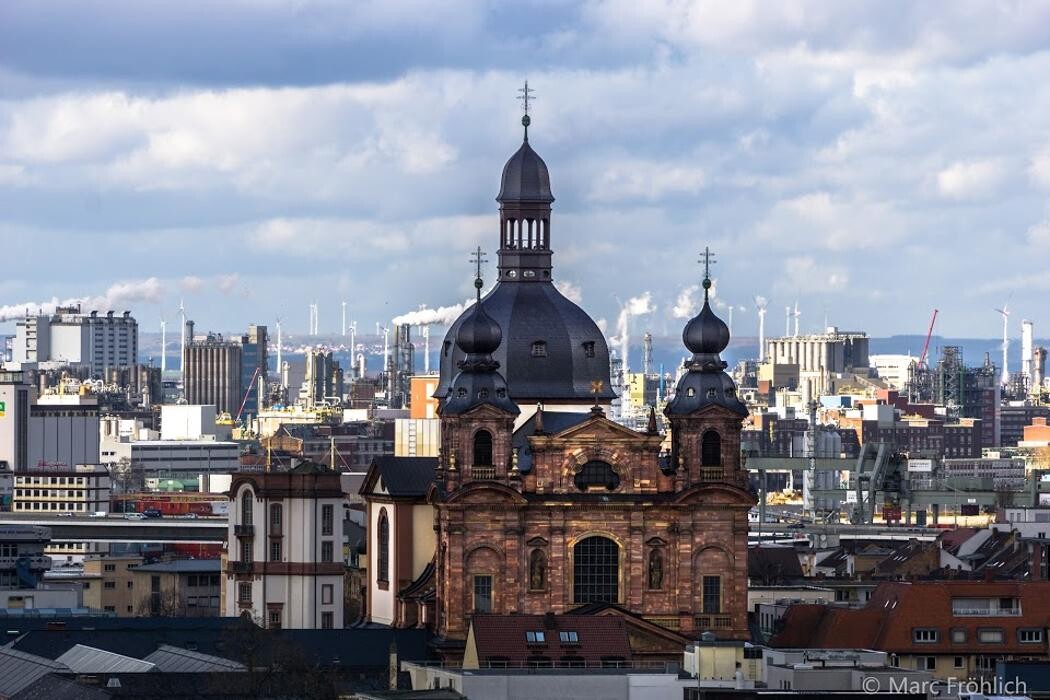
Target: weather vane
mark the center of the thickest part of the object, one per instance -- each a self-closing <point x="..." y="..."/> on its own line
<point x="526" y="96"/>
<point x="477" y="258"/>
<point x="708" y="259"/>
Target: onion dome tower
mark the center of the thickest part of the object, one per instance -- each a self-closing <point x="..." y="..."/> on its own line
<point x="705" y="414"/>
<point x="552" y="351"/>
<point x="478" y="381"/>
<point x="706" y="382"/>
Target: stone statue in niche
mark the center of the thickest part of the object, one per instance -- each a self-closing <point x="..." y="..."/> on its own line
<point x="656" y="569"/>
<point x="537" y="570"/>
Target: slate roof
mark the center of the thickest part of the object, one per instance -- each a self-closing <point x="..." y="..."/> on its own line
<point x="219" y="636"/>
<point x="503" y="637"/>
<point x="169" y="659"/>
<point x="60" y="687"/>
<point x="773" y="563"/>
<point x="527" y="312"/>
<point x="525" y="178"/>
<point x="85" y="659"/>
<point x="897" y="608"/>
<point x="19" y="670"/>
<point x="403" y="477"/>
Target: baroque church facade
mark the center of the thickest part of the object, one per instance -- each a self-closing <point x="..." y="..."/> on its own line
<point x="540" y="503"/>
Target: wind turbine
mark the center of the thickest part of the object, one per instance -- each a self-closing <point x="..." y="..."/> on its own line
<point x="163" y="347"/>
<point x="760" y="306"/>
<point x="280" y="365"/>
<point x="1005" y="311"/>
<point x="797" y="314"/>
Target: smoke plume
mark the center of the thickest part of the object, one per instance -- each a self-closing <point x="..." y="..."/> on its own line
<point x="119" y="297"/>
<point x="685" y="305"/>
<point x="635" y="306"/>
<point x="443" y="316"/>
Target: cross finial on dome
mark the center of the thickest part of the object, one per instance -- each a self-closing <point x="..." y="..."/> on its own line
<point x="477" y="258"/>
<point x="526" y="96"/>
<point x="708" y="259"/>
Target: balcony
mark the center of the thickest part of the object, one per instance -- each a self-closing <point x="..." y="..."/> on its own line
<point x="239" y="567"/>
<point x="712" y="474"/>
<point x="488" y="473"/>
<point x="986" y="612"/>
<point x="244" y="530"/>
<point x="713" y="622"/>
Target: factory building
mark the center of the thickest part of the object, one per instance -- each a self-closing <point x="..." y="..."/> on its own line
<point x="970" y="392"/>
<point x="213" y="370"/>
<point x="69" y="337"/>
<point x="323" y="383"/>
<point x="821" y="358"/>
<point x="401" y="368"/>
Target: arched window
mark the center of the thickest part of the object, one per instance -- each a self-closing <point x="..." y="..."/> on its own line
<point x="383" y="535"/>
<point x="483" y="449"/>
<point x="711" y="449"/>
<point x="596" y="570"/>
<point x="597" y="474"/>
<point x="246" y="508"/>
<point x="276" y="518"/>
<point x="537" y="570"/>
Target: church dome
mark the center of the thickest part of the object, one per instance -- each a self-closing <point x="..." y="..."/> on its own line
<point x="478" y="334"/>
<point x="706" y="334"/>
<point x="525" y="178"/>
<point x="551" y="350"/>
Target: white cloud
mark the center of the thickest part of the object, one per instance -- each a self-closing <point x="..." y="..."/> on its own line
<point x="648" y="181"/>
<point x="570" y="291"/>
<point x="971" y="179"/>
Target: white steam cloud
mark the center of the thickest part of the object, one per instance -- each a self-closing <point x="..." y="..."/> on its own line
<point x="117" y="298"/>
<point x="635" y="306"/>
<point x="443" y="316"/>
<point x="570" y="291"/>
<point x="685" y="305"/>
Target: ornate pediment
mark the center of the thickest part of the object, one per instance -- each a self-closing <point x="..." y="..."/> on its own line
<point x="599" y="428"/>
<point x="537" y="542"/>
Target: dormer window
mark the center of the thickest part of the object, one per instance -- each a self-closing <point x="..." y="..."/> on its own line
<point x="483" y="394"/>
<point x="501" y="393"/>
<point x="588" y="349"/>
<point x="539" y="349"/>
<point x="461" y="392"/>
<point x="690" y="392"/>
<point x="712" y="394"/>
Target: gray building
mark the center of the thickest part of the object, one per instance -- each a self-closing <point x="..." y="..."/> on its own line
<point x="68" y="337"/>
<point x="213" y="373"/>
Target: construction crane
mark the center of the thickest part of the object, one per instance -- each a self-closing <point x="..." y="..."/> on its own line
<point x="926" y="345"/>
<point x="244" y="402"/>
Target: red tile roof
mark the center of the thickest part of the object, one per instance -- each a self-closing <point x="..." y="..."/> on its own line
<point x="504" y="637"/>
<point x="896" y="609"/>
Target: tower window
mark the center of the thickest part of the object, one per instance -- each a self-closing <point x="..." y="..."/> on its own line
<point x="597" y="474"/>
<point x="483" y="449"/>
<point x="447" y="347"/>
<point x="384" y="547"/>
<point x="712" y="590"/>
<point x="482" y="594"/>
<point x="711" y="449"/>
<point x="246" y="508"/>
<point x="596" y="570"/>
<point x="588" y="349"/>
<point x="539" y="349"/>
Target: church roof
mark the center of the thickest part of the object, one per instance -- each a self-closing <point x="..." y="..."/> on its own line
<point x="597" y="638"/>
<point x="525" y="178"/>
<point x="573" y="354"/>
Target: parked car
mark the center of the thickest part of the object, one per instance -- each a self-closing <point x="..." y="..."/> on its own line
<point x="134" y="516"/>
<point x="191" y="516"/>
<point x="152" y="513"/>
<point x="98" y="514"/>
<point x="65" y="515"/>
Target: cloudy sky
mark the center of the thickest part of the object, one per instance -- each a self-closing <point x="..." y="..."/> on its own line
<point x="871" y="160"/>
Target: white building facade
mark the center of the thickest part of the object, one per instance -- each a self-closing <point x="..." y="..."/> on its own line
<point x="285" y="562"/>
<point x="69" y="337"/>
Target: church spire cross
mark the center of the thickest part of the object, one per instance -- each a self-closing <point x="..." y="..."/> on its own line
<point x="477" y="258"/>
<point x="525" y="95"/>
<point x="708" y="259"/>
